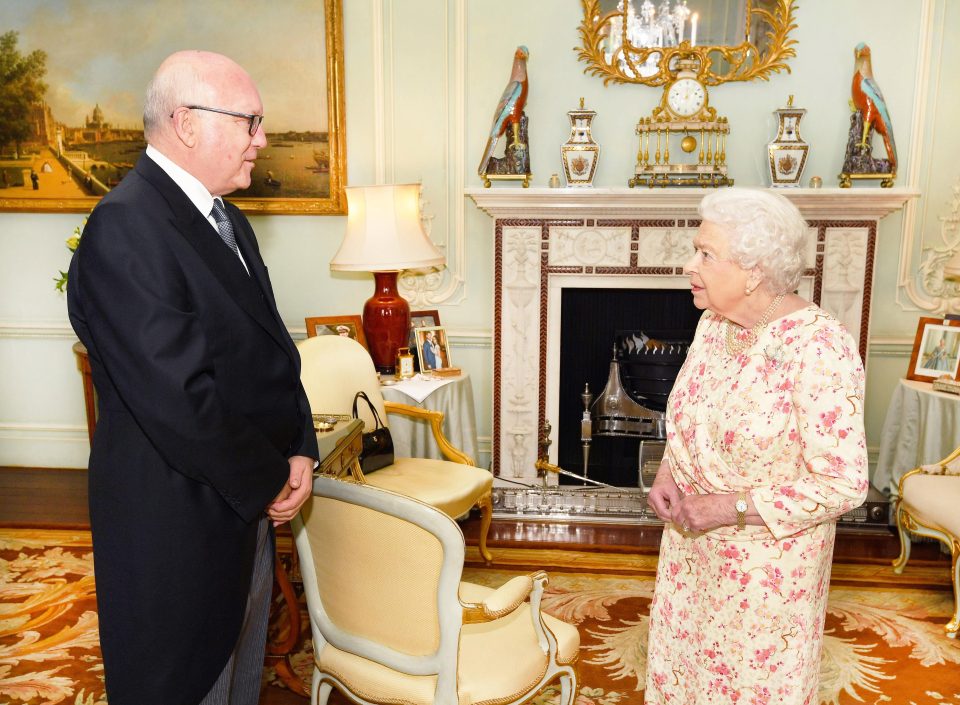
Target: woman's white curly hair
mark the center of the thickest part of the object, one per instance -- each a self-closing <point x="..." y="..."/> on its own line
<point x="765" y="230"/>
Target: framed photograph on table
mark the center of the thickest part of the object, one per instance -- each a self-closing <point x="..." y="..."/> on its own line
<point x="936" y="350"/>
<point x="421" y="319"/>
<point x="424" y="319"/>
<point x="432" y="348"/>
<point x="346" y="326"/>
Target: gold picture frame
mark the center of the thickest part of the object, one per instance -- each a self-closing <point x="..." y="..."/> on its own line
<point x="309" y="32"/>
<point x="441" y="348"/>
<point x="347" y="326"/>
<point x="936" y="350"/>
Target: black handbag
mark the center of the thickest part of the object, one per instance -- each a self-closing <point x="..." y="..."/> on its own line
<point x="377" y="444"/>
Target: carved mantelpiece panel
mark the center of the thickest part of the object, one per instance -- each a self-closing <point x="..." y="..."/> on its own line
<point x="550" y="239"/>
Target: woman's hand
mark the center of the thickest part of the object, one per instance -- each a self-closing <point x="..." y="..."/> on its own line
<point x="703" y="512"/>
<point x="664" y="495"/>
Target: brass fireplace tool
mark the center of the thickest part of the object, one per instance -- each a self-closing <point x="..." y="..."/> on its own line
<point x="544" y="466"/>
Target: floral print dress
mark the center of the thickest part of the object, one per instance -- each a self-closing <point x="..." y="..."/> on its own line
<point x="737" y="616"/>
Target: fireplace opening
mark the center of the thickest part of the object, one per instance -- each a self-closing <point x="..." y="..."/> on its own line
<point x="598" y="325"/>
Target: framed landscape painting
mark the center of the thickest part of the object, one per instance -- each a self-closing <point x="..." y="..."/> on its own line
<point x="73" y="122"/>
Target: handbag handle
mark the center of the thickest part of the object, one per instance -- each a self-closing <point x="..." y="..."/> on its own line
<point x="376" y="417"/>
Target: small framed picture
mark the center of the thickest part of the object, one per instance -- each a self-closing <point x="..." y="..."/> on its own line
<point x="936" y="350"/>
<point x="347" y="326"/>
<point x="432" y="348"/>
<point x="421" y="319"/>
<point x="424" y="319"/>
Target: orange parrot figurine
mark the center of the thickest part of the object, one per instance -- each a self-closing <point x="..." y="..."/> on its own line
<point x="869" y="102"/>
<point x="510" y="108"/>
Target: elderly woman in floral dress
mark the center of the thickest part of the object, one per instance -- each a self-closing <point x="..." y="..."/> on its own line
<point x="765" y="449"/>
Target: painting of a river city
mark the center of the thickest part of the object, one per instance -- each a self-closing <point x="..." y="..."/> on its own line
<point x="80" y="69"/>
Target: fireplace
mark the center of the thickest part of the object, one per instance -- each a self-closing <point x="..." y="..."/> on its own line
<point x="549" y="241"/>
<point x="640" y="337"/>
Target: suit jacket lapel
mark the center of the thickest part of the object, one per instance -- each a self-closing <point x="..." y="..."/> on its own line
<point x="258" y="270"/>
<point x="224" y="264"/>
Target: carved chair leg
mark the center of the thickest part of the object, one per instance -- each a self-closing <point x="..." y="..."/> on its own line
<point x="953" y="626"/>
<point x="486" y="518"/>
<point x="568" y="689"/>
<point x="900" y="563"/>
<point x="321" y="693"/>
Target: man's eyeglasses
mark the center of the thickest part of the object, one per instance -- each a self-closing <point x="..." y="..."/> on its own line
<point x="254" y="120"/>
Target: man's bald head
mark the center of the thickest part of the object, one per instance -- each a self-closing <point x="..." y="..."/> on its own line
<point x="199" y="111"/>
<point x="189" y="77"/>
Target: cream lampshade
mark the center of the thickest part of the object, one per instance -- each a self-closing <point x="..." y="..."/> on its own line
<point x="384" y="236"/>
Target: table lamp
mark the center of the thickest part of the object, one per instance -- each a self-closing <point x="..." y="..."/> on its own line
<point x="385" y="235"/>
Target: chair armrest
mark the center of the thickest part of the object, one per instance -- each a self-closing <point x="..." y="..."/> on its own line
<point x="450" y="452"/>
<point x="504" y="600"/>
<point x="948" y="466"/>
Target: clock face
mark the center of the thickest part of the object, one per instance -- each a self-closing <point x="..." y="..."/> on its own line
<point x="686" y="96"/>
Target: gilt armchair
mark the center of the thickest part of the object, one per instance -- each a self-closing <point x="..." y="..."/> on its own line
<point x="393" y="623"/>
<point x="927" y="506"/>
<point x="333" y="370"/>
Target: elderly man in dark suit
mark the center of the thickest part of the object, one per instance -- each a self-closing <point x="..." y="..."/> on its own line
<point x="205" y="437"/>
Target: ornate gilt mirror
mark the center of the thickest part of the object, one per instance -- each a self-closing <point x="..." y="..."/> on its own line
<point x="641" y="41"/>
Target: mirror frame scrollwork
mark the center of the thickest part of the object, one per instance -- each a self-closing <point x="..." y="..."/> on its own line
<point x="745" y="61"/>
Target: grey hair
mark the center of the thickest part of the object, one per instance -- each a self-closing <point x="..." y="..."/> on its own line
<point x="766" y="231"/>
<point x="174" y="84"/>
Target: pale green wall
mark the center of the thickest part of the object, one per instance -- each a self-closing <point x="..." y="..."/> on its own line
<point x="443" y="67"/>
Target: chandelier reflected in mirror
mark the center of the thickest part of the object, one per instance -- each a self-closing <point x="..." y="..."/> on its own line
<point x="659" y="26"/>
<point x="641" y="41"/>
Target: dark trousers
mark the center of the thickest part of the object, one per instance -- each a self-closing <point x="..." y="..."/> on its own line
<point x="239" y="682"/>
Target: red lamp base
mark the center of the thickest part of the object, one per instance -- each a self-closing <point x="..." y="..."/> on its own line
<point x="386" y="322"/>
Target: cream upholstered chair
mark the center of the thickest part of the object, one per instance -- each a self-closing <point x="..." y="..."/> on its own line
<point x="393" y="623"/>
<point x="927" y="506"/>
<point x="333" y="370"/>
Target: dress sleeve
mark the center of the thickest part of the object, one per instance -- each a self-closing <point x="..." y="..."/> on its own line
<point x="828" y="405"/>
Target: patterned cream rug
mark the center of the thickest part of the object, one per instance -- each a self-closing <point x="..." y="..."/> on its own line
<point x="885" y="641"/>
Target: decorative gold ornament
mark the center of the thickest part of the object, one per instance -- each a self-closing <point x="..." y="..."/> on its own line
<point x="735" y="343"/>
<point x="684" y="108"/>
<point x="608" y="51"/>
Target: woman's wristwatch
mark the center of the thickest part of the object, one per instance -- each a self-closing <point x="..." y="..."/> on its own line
<point x="741" y="507"/>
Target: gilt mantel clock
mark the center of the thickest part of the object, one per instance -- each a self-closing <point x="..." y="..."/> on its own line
<point x="683" y="142"/>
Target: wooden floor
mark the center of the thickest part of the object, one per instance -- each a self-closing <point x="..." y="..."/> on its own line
<point x="51" y="498"/>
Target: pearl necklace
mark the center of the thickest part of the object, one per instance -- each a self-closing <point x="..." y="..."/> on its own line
<point x="736" y="345"/>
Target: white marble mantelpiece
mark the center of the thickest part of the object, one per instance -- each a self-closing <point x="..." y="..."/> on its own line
<point x="819" y="203"/>
<point x="547" y="240"/>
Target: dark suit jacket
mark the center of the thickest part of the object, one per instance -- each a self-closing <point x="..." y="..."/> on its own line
<point x="200" y="406"/>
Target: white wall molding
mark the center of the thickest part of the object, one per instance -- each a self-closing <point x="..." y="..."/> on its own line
<point x="448" y="286"/>
<point x="379" y="94"/>
<point x="44" y="445"/>
<point x="36" y="329"/>
<point x="919" y="288"/>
